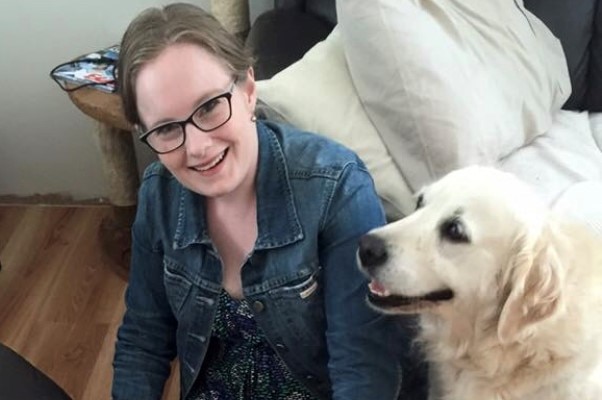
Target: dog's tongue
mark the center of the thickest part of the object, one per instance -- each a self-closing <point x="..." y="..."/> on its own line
<point x="378" y="289"/>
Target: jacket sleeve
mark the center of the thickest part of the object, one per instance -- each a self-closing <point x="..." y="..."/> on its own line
<point x="146" y="338"/>
<point x="365" y="347"/>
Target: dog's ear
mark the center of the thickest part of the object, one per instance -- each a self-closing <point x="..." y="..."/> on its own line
<point x="532" y="284"/>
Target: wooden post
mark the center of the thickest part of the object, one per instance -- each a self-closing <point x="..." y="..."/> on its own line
<point x="119" y="164"/>
<point x="233" y="14"/>
<point x="120" y="170"/>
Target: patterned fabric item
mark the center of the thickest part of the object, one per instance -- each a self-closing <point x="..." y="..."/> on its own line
<point x="240" y="364"/>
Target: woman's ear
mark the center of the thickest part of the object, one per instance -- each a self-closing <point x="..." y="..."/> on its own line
<point x="138" y="128"/>
<point x="534" y="283"/>
<point x="250" y="90"/>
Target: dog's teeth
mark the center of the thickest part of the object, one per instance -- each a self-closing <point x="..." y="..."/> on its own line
<point x="378" y="289"/>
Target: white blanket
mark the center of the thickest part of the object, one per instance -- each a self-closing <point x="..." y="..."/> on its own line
<point x="565" y="165"/>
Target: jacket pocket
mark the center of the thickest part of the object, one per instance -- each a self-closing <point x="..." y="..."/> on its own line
<point x="299" y="309"/>
<point x="177" y="286"/>
<point x="302" y="288"/>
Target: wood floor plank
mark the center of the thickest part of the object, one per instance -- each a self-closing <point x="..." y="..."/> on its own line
<point x="102" y="371"/>
<point x="61" y="301"/>
<point x="10" y="217"/>
<point x="29" y="264"/>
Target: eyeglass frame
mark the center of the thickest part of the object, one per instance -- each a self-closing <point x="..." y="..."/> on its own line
<point x="143" y="137"/>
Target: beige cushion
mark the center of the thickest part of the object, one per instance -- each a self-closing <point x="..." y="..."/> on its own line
<point x="316" y="94"/>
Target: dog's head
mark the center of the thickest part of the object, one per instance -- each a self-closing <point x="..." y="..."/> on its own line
<point x="478" y="236"/>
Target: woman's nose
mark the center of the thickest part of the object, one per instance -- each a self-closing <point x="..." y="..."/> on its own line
<point x="197" y="141"/>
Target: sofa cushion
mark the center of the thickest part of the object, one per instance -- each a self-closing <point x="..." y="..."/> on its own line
<point x="450" y="84"/>
<point x="317" y="94"/>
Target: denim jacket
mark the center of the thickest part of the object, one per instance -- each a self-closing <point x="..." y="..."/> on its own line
<point x="314" y="199"/>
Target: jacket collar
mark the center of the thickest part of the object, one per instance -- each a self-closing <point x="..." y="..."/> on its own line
<point x="277" y="220"/>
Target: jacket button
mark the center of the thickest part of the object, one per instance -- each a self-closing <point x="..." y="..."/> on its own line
<point x="258" y="306"/>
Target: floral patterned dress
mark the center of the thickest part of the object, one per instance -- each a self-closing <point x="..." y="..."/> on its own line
<point x="240" y="364"/>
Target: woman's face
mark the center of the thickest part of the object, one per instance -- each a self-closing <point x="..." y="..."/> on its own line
<point x="172" y="86"/>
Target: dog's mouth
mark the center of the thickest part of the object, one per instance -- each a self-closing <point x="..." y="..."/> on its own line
<point x="381" y="299"/>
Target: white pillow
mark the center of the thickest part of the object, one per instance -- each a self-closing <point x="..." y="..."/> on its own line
<point x="448" y="83"/>
<point x="316" y="94"/>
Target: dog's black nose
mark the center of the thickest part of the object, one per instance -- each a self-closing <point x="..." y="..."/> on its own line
<point x="372" y="251"/>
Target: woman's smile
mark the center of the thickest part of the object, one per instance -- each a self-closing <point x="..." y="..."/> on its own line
<point x="212" y="164"/>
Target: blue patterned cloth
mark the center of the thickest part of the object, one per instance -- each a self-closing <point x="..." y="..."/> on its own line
<point x="240" y="364"/>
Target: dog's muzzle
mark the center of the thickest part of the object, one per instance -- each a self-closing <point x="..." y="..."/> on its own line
<point x="372" y="253"/>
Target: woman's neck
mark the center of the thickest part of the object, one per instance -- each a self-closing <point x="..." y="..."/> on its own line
<point x="232" y="223"/>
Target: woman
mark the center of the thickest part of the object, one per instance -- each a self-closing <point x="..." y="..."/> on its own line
<point x="243" y="247"/>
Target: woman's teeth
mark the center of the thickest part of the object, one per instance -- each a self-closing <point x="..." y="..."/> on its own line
<point x="216" y="161"/>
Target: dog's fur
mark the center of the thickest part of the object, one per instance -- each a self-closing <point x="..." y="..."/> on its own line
<point x="509" y="296"/>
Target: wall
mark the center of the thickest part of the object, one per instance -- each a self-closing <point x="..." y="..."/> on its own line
<point x="47" y="145"/>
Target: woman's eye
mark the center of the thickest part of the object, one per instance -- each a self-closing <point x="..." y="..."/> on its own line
<point x="208" y="107"/>
<point x="167" y="130"/>
<point x="454" y="231"/>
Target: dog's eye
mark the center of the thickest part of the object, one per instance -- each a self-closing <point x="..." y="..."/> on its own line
<point x="420" y="201"/>
<point x="454" y="230"/>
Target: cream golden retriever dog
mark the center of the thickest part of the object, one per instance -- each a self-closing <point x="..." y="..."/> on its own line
<point x="509" y="296"/>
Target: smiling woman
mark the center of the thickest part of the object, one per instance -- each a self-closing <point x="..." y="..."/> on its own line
<point x="243" y="255"/>
<point x="169" y="89"/>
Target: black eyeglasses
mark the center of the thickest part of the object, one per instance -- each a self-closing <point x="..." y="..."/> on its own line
<point x="207" y="117"/>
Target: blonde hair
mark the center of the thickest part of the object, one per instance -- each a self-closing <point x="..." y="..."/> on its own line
<point x="155" y="29"/>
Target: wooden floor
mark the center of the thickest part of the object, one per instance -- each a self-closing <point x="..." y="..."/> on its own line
<point x="60" y="299"/>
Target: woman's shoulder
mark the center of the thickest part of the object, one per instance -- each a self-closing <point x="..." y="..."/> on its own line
<point x="155" y="169"/>
<point x="157" y="181"/>
<point x="303" y="149"/>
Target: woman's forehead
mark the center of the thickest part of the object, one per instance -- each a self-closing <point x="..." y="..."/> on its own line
<point x="177" y="80"/>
